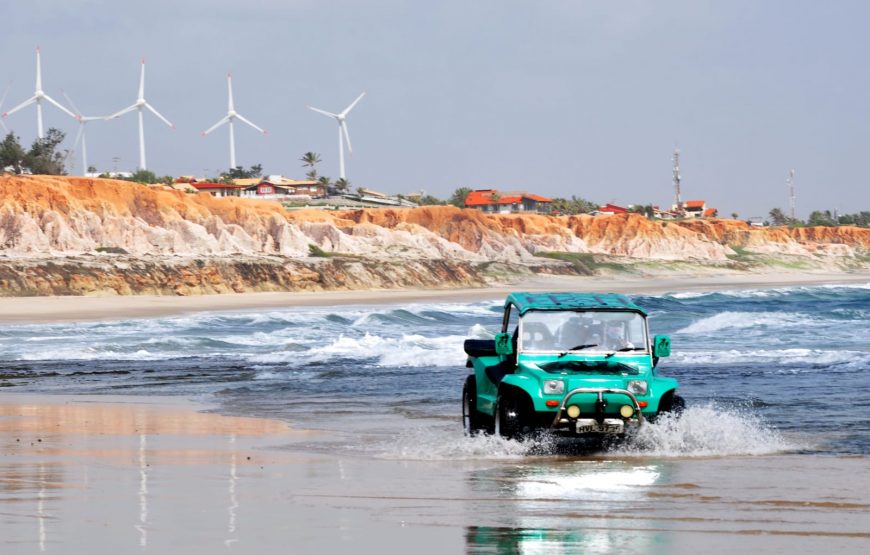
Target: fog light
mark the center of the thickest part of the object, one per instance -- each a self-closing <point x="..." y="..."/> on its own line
<point x="626" y="411"/>
<point x="554" y="387"/>
<point x="573" y="411"/>
<point x="637" y="387"/>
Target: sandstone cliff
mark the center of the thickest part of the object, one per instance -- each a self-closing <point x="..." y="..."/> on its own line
<point x="57" y="235"/>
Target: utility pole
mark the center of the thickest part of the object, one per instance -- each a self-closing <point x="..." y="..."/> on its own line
<point x="790" y="183"/>
<point x="679" y="201"/>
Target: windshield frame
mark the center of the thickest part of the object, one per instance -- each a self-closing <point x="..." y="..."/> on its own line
<point x="598" y="350"/>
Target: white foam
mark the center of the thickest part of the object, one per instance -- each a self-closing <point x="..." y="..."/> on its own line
<point x="703" y="431"/>
<point x="742" y="320"/>
<point x="426" y="444"/>
<point x="772" y="357"/>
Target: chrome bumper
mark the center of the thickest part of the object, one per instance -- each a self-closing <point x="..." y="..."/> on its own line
<point x="600" y="391"/>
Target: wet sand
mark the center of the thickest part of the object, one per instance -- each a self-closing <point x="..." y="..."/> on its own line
<point x="48" y="309"/>
<point x="101" y="474"/>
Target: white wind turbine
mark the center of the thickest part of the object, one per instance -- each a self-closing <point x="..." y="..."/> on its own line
<point x="231" y="115"/>
<point x="139" y="105"/>
<point x="342" y="130"/>
<point x="80" y="136"/>
<point x="37" y="98"/>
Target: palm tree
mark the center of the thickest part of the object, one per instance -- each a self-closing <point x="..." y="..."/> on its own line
<point x="310" y="159"/>
<point x="342" y="185"/>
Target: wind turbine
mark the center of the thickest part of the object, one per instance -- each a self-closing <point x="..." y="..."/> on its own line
<point x="231" y="115"/>
<point x="341" y="118"/>
<point x="38" y="97"/>
<point x="80" y="136"/>
<point x="139" y="106"/>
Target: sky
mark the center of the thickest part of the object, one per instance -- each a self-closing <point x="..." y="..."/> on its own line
<point x="554" y="97"/>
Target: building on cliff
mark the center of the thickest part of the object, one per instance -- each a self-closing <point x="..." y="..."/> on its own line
<point x="276" y="187"/>
<point x="217" y="189"/>
<point x="490" y="200"/>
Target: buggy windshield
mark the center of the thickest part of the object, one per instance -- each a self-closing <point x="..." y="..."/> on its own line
<point x="564" y="331"/>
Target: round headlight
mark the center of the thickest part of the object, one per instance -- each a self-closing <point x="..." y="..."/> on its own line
<point x="573" y="411"/>
<point x="637" y="387"/>
<point x="554" y="387"/>
<point x="626" y="411"/>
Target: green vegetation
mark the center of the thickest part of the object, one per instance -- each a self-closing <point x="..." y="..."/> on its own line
<point x="458" y="197"/>
<point x="111" y="250"/>
<point x="309" y="160"/>
<point x="241" y="173"/>
<point x="316" y="252"/>
<point x="574" y="205"/>
<point x="43" y="158"/>
<point x="585" y="263"/>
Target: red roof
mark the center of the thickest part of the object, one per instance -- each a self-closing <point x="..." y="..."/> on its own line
<point x="614" y="208"/>
<point x="205" y="185"/>
<point x="710" y="212"/>
<point x="483" y="197"/>
<point x="694" y="204"/>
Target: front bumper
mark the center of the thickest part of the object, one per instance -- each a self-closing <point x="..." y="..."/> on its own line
<point x="599" y="424"/>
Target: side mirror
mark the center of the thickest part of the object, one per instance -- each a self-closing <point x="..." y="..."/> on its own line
<point x="503" y="344"/>
<point x="661" y="346"/>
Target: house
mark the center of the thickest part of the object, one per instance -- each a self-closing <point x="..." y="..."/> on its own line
<point x="276" y="187"/>
<point x="711" y="213"/>
<point x="610" y="209"/>
<point x="490" y="200"/>
<point x="217" y="189"/>
<point x="695" y="209"/>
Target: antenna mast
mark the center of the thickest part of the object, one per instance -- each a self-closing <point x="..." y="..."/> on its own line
<point x="676" y="159"/>
<point x="790" y="183"/>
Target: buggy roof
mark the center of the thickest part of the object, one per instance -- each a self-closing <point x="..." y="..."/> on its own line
<point x="571" y="301"/>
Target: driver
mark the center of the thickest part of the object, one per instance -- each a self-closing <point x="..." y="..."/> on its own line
<point x="614" y="337"/>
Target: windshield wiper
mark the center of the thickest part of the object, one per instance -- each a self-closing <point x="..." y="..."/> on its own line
<point x="624" y="349"/>
<point x="577" y="348"/>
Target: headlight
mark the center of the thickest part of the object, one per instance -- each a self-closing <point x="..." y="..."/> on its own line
<point x="638" y="387"/>
<point x="554" y="387"/>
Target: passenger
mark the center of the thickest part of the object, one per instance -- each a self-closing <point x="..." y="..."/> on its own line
<point x="573" y="333"/>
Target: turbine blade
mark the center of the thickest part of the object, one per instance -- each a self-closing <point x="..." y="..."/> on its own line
<point x="142" y="80"/>
<point x="60" y="106"/>
<point x="126" y="110"/>
<point x="3" y="125"/>
<point x="159" y="115"/>
<point x="71" y="103"/>
<point x="230" y="90"/>
<point x="352" y="104"/>
<point x="346" y="137"/>
<point x="222" y="121"/>
<point x="24" y="104"/>
<point x="5" y="92"/>
<point x="324" y="112"/>
<point x="38" y="71"/>
<point x="242" y="118"/>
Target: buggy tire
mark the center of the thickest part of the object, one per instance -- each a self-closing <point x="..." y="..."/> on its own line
<point x="512" y="417"/>
<point x="472" y="420"/>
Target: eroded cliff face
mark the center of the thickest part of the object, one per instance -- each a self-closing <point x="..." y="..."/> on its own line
<point x="188" y="243"/>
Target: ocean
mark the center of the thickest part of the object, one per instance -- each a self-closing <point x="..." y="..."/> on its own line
<point x="770" y="455"/>
<point x="762" y="371"/>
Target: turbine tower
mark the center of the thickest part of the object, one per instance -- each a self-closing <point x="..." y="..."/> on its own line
<point x="341" y="118"/>
<point x="790" y="183"/>
<point x="80" y="136"/>
<point x="37" y="98"/>
<point x="139" y="106"/>
<point x="231" y="115"/>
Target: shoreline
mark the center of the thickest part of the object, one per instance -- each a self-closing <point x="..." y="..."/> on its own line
<point x="32" y="310"/>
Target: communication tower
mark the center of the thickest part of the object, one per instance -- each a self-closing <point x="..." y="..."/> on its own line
<point x="678" y="205"/>
<point x="790" y="183"/>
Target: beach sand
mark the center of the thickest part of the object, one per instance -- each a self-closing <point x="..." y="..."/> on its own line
<point x="48" y="309"/>
<point x="130" y="474"/>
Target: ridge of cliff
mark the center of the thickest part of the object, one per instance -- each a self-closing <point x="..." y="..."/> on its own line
<point x="50" y="218"/>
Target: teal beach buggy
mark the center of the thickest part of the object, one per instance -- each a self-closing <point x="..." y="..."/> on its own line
<point x="578" y="364"/>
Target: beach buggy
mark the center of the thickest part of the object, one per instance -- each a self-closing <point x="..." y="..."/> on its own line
<point x="578" y="364"/>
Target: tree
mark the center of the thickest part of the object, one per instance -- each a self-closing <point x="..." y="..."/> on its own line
<point x="574" y="205"/>
<point x="92" y="169"/>
<point x="821" y="217"/>
<point x="241" y="173"/>
<point x="144" y="176"/>
<point x="309" y="159"/>
<point x="734" y="215"/>
<point x="429" y="200"/>
<point x="342" y="185"/>
<point x="43" y="157"/>
<point x="458" y="197"/>
<point x="11" y="153"/>
<point x="360" y="191"/>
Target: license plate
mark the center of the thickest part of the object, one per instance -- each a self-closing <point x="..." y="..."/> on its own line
<point x="590" y="426"/>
